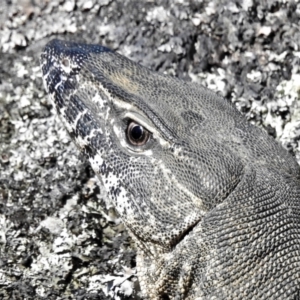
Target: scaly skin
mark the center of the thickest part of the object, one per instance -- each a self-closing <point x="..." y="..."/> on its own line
<point x="211" y="201"/>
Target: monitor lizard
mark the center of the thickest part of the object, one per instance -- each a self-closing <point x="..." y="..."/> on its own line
<point x="211" y="201"/>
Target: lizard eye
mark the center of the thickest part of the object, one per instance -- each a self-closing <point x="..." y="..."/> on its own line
<point x="137" y="135"/>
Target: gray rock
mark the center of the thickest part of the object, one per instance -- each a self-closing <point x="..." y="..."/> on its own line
<point x="58" y="239"/>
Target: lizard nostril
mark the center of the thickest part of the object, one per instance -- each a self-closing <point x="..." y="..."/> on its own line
<point x="66" y="62"/>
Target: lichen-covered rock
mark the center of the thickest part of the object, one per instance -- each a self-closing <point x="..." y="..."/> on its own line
<point x="58" y="239"/>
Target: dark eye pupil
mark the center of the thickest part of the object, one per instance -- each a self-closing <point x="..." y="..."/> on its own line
<point x="137" y="132"/>
<point x="137" y="135"/>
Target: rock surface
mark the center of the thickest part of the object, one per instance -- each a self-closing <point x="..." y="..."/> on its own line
<point x="59" y="238"/>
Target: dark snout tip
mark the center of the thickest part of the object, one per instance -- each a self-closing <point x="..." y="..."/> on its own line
<point x="58" y="54"/>
<point x="70" y="49"/>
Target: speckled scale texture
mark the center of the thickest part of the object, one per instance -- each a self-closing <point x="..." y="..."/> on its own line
<point x="211" y="201"/>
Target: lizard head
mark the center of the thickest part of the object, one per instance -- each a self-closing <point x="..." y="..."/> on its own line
<point x="160" y="146"/>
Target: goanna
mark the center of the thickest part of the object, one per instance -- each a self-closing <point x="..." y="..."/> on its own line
<point x="211" y="201"/>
